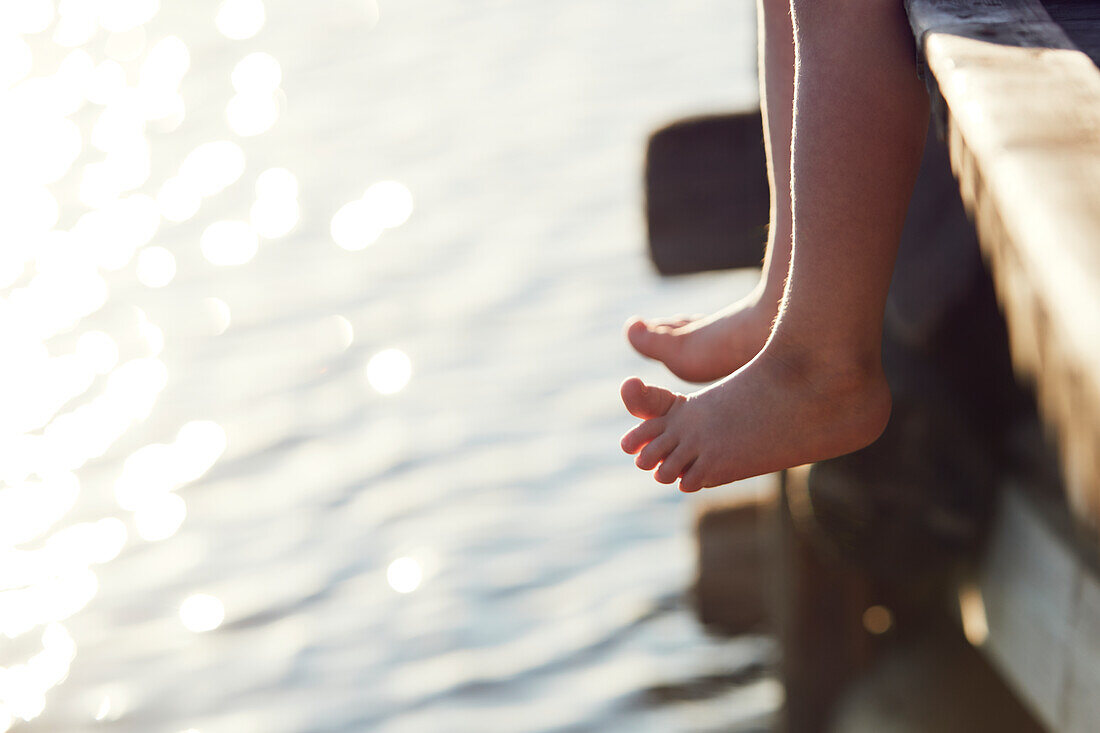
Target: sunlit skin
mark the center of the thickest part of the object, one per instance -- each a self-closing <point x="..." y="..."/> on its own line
<point x="816" y="389"/>
<point x="705" y="348"/>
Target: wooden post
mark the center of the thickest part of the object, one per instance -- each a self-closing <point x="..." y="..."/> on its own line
<point x="819" y="606"/>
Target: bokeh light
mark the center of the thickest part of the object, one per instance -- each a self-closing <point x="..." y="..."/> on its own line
<point x="77" y="24"/>
<point x="275" y="212"/>
<point x="390" y="202"/>
<point x="257" y="73"/>
<point x="277" y="184"/>
<point x="126" y="45"/>
<point x="255" y="107"/>
<point x="217" y="313"/>
<point x="160" y="517"/>
<point x="211" y="167"/>
<point x="229" y="243"/>
<point x="389" y="371"/>
<point x="162" y="71"/>
<point x="15" y="59"/>
<point x="120" y="16"/>
<point x="23" y="694"/>
<point x="358" y="224"/>
<point x="240" y="19"/>
<point x="151" y="472"/>
<point x="344" y="328"/>
<point x="105" y="83"/>
<point x="404" y="574"/>
<point x="98" y="351"/>
<point x="178" y="200"/>
<point x="273" y="219"/>
<point x="201" y="612"/>
<point x="155" y="267"/>
<point x="354" y="227"/>
<point x="29" y="16"/>
<point x="252" y="114"/>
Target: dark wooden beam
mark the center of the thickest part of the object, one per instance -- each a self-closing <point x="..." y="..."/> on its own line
<point x="1033" y="607"/>
<point x="1023" y="121"/>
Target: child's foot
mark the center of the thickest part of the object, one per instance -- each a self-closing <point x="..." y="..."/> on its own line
<point x="772" y="414"/>
<point x="702" y="349"/>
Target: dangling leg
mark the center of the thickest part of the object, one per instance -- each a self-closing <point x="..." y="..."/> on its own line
<point x="708" y="348"/>
<point x="817" y="389"/>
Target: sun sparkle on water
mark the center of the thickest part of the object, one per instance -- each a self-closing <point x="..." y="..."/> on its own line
<point x="404" y="574"/>
<point x="275" y="212"/>
<point x="358" y="224"/>
<point x="228" y="243"/>
<point x="257" y="73"/>
<point x="347" y="333"/>
<point x="160" y="517"/>
<point x="201" y="612"/>
<point x="156" y="267"/>
<point x="240" y="19"/>
<point x="389" y="371"/>
<point x="71" y="392"/>
<point x="104" y="708"/>
<point x="391" y="203"/>
<point x="252" y="114"/>
<point x="218" y="313"/>
<point x="126" y="46"/>
<point x="213" y="166"/>
<point x="98" y="351"/>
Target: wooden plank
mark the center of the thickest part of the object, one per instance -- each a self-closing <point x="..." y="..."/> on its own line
<point x="728" y="590"/>
<point x="706" y="194"/>
<point x="1028" y="584"/>
<point x="1041" y="606"/>
<point x="1081" y="22"/>
<point x="820" y="601"/>
<point x="1024" y="132"/>
<point x="1082" y="711"/>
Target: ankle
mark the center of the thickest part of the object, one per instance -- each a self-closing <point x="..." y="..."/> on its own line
<point x="764" y="299"/>
<point x="830" y="371"/>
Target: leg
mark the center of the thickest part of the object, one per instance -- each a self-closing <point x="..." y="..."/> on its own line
<point x="816" y="390"/>
<point x="707" y="348"/>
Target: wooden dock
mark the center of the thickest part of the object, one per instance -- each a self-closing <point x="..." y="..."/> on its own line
<point x="974" y="519"/>
<point x="1021" y="106"/>
<point x="1020" y="103"/>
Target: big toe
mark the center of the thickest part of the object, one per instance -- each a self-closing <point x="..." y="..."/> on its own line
<point x="646" y="402"/>
<point x="652" y="339"/>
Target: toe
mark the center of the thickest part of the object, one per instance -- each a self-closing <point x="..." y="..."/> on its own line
<point x="673" y="466"/>
<point x="640" y="336"/>
<point x="654" y="339"/>
<point x="656" y="451"/>
<point x="637" y="438"/>
<point x="692" y="480"/>
<point x="646" y="402"/>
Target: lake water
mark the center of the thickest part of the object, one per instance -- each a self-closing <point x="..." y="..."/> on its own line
<point x="310" y="315"/>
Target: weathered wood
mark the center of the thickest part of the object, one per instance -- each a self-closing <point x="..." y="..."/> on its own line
<point x="1081" y="22"/>
<point x="707" y="201"/>
<point x="1024" y="135"/>
<point x="934" y="683"/>
<point x="1041" y="606"/>
<point x="820" y="602"/>
<point x="938" y="255"/>
<point x="706" y="193"/>
<point x="728" y="591"/>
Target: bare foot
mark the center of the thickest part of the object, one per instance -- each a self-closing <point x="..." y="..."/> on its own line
<point x="702" y="349"/>
<point x="772" y="414"/>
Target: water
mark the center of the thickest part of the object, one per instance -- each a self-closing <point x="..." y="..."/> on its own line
<point x="301" y="452"/>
